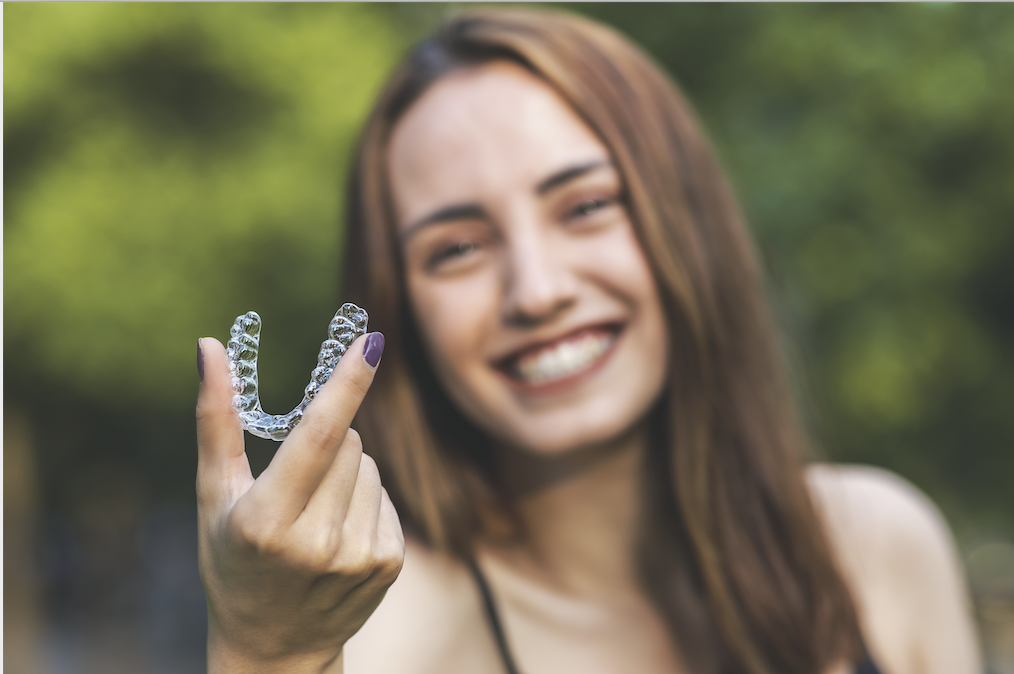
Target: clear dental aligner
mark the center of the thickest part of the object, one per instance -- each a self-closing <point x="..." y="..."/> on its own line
<point x="348" y="324"/>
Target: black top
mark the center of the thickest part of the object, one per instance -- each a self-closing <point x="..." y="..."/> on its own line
<point x="866" y="666"/>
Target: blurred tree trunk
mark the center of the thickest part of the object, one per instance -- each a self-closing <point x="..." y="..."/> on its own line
<point x="22" y="596"/>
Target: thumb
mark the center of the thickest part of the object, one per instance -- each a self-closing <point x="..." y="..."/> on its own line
<point x="221" y="456"/>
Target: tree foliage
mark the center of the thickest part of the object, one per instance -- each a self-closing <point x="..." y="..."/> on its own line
<point x="168" y="167"/>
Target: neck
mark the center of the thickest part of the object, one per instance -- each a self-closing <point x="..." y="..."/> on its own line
<point x="580" y="514"/>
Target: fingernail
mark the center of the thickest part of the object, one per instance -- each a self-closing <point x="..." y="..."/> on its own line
<point x="374" y="348"/>
<point x="200" y="361"/>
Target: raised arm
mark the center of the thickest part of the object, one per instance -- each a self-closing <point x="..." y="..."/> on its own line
<point x="295" y="561"/>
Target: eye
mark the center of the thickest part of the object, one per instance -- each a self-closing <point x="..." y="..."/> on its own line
<point x="590" y="207"/>
<point x="448" y="253"/>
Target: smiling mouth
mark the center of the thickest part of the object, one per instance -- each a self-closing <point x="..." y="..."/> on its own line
<point x="564" y="359"/>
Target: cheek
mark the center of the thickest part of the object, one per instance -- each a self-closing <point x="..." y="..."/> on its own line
<point x="616" y="261"/>
<point x="453" y="317"/>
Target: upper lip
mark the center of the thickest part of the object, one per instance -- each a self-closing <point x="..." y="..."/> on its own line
<point x="516" y="352"/>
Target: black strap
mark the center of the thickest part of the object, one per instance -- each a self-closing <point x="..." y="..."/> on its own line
<point x="867" y="666"/>
<point x="494" y="618"/>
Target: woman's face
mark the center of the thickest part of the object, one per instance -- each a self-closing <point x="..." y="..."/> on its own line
<point x="536" y="304"/>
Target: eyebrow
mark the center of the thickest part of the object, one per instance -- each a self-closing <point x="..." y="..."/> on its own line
<point x="458" y="212"/>
<point x="568" y="174"/>
<point x="477" y="212"/>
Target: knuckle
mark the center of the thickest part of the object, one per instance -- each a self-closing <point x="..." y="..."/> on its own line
<point x="322" y="432"/>
<point x="208" y="410"/>
<point x="201" y="413"/>
<point x="314" y="558"/>
<point x="368" y="470"/>
<point x="255" y="531"/>
<point x="203" y="409"/>
<point x="377" y="557"/>
<point x="390" y="562"/>
<point x="356" y="560"/>
<point x="353" y="439"/>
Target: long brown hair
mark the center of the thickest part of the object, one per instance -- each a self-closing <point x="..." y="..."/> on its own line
<point x="732" y="553"/>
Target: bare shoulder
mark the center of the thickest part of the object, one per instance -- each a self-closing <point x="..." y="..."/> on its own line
<point x="898" y="556"/>
<point x="875" y="512"/>
<point x="431" y="620"/>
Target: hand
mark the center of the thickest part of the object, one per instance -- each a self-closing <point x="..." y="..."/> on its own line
<point x="295" y="561"/>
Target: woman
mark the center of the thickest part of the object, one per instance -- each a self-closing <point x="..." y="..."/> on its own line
<point x="581" y="418"/>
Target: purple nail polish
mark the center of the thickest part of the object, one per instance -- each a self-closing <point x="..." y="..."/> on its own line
<point x="373" y="348"/>
<point x="200" y="361"/>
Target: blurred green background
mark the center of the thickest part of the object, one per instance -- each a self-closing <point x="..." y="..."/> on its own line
<point x="167" y="167"/>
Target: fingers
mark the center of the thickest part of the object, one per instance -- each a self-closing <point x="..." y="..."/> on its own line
<point x="390" y="535"/>
<point x="363" y="538"/>
<point x="305" y="457"/>
<point x="360" y="524"/>
<point x="220" y="450"/>
<point x="330" y="502"/>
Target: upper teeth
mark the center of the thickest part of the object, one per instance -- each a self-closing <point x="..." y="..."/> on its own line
<point x="563" y="359"/>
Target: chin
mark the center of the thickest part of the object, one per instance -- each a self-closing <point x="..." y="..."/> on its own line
<point x="585" y="426"/>
<point x="610" y="405"/>
<point x="569" y="443"/>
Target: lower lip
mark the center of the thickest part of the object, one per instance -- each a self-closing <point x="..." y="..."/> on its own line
<point x="568" y="382"/>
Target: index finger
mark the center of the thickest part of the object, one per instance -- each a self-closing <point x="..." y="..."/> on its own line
<point x="303" y="459"/>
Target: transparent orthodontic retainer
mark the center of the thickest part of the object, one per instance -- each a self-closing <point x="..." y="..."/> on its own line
<point x="348" y="324"/>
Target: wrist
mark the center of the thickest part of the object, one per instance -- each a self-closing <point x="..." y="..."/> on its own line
<point x="225" y="657"/>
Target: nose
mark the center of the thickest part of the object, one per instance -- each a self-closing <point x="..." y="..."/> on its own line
<point x="540" y="285"/>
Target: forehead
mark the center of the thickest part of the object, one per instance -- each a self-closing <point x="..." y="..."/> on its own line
<point x="482" y="134"/>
